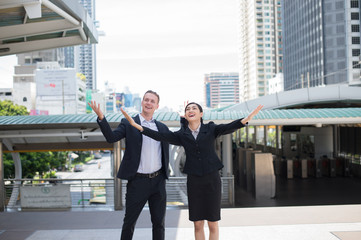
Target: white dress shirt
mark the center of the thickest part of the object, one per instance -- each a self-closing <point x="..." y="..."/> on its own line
<point x="151" y="154"/>
<point x="195" y="132"/>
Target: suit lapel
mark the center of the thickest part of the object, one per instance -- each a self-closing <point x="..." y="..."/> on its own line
<point x="137" y="119"/>
<point x="202" y="131"/>
<point x="188" y="133"/>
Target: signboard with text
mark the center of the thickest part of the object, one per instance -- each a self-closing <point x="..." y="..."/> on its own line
<point x="55" y="82"/>
<point x="48" y="196"/>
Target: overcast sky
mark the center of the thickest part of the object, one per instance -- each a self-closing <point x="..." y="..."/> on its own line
<point x="163" y="45"/>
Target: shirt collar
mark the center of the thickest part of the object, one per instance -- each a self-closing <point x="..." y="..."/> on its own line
<point x="195" y="131"/>
<point x="142" y="119"/>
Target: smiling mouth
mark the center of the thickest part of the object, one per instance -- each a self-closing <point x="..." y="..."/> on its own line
<point x="191" y="115"/>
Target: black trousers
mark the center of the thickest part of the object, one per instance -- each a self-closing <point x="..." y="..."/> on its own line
<point x="139" y="191"/>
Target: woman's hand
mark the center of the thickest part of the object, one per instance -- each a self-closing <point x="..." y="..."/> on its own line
<point x="96" y="109"/>
<point x="252" y="114"/>
<point x="131" y="120"/>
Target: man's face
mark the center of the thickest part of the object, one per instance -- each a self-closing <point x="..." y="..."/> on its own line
<point x="149" y="103"/>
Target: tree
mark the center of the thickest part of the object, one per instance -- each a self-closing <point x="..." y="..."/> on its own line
<point x="8" y="108"/>
<point x="31" y="162"/>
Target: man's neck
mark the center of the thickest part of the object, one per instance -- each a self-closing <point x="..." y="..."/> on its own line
<point x="147" y="117"/>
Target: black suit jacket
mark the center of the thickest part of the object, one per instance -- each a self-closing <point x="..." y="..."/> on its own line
<point x="201" y="157"/>
<point x="133" y="141"/>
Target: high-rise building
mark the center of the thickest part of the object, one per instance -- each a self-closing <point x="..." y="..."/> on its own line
<point x="321" y="42"/>
<point x="260" y="36"/>
<point x="221" y="89"/>
<point x="83" y="57"/>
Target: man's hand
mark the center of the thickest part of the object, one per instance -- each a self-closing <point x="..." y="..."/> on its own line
<point x="96" y="109"/>
<point x="252" y="114"/>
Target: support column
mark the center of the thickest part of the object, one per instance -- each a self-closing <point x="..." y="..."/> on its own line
<point x="246" y="141"/>
<point x="227" y="155"/>
<point x="335" y="141"/>
<point x="277" y="137"/>
<point x="18" y="174"/>
<point x="118" y="205"/>
<point x="2" y="185"/>
<point x="265" y="131"/>
<point x="254" y="138"/>
<point x="228" y="166"/>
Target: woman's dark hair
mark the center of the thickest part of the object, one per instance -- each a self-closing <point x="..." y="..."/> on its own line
<point x="199" y="106"/>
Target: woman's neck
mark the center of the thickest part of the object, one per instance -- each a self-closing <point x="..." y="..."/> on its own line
<point x="194" y="125"/>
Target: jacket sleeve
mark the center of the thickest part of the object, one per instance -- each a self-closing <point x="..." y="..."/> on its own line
<point x="110" y="135"/>
<point x="223" y="129"/>
<point x="167" y="136"/>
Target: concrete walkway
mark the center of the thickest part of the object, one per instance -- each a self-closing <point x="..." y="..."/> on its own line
<point x="280" y="223"/>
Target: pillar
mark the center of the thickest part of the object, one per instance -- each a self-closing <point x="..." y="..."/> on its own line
<point x="255" y="137"/>
<point x="246" y="141"/>
<point x="2" y="185"/>
<point x="118" y="205"/>
<point x="277" y="137"/>
<point x="265" y="135"/>
<point x="227" y="155"/>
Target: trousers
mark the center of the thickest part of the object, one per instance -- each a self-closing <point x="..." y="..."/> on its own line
<point x="140" y="190"/>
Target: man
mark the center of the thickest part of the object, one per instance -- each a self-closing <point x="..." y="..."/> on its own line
<point x="144" y="165"/>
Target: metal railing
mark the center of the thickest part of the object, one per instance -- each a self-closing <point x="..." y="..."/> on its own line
<point x="99" y="193"/>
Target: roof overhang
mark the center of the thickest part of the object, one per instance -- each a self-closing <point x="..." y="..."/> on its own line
<point x="30" y="25"/>
<point x="337" y="95"/>
<point x="81" y="132"/>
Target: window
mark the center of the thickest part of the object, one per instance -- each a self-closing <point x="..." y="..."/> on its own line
<point x="355" y="28"/>
<point x="355" y="16"/>
<point x="355" y="40"/>
<point x="355" y="64"/>
<point x="25" y="99"/>
<point x="355" y="52"/>
<point x="354" y="3"/>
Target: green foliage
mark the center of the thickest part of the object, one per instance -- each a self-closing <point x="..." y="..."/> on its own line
<point x="50" y="174"/>
<point x="33" y="162"/>
<point x="9" y="168"/>
<point x="83" y="157"/>
<point x="8" y="108"/>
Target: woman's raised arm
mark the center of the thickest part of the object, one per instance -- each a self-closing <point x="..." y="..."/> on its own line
<point x="131" y="120"/>
<point x="252" y="114"/>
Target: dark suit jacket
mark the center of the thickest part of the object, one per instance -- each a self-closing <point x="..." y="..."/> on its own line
<point x="201" y="157"/>
<point x="133" y="141"/>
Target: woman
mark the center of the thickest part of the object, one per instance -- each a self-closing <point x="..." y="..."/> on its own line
<point x="202" y="163"/>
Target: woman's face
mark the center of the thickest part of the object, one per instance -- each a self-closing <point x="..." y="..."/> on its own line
<point x="193" y="113"/>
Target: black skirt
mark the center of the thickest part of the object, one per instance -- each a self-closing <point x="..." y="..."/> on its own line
<point x="204" y="197"/>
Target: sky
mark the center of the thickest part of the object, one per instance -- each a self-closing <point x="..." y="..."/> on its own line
<point x="163" y="45"/>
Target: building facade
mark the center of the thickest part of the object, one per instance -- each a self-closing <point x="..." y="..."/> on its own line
<point x="260" y="42"/>
<point x="321" y="42"/>
<point x="221" y="89"/>
<point x="24" y="86"/>
<point x="83" y="57"/>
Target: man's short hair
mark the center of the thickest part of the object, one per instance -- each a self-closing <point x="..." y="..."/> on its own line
<point x="152" y="92"/>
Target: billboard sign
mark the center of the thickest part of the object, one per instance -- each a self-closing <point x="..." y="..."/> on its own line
<point x="53" y="82"/>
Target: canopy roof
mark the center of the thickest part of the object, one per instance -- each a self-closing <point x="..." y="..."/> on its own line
<point x="30" y="25"/>
<point x="76" y="132"/>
